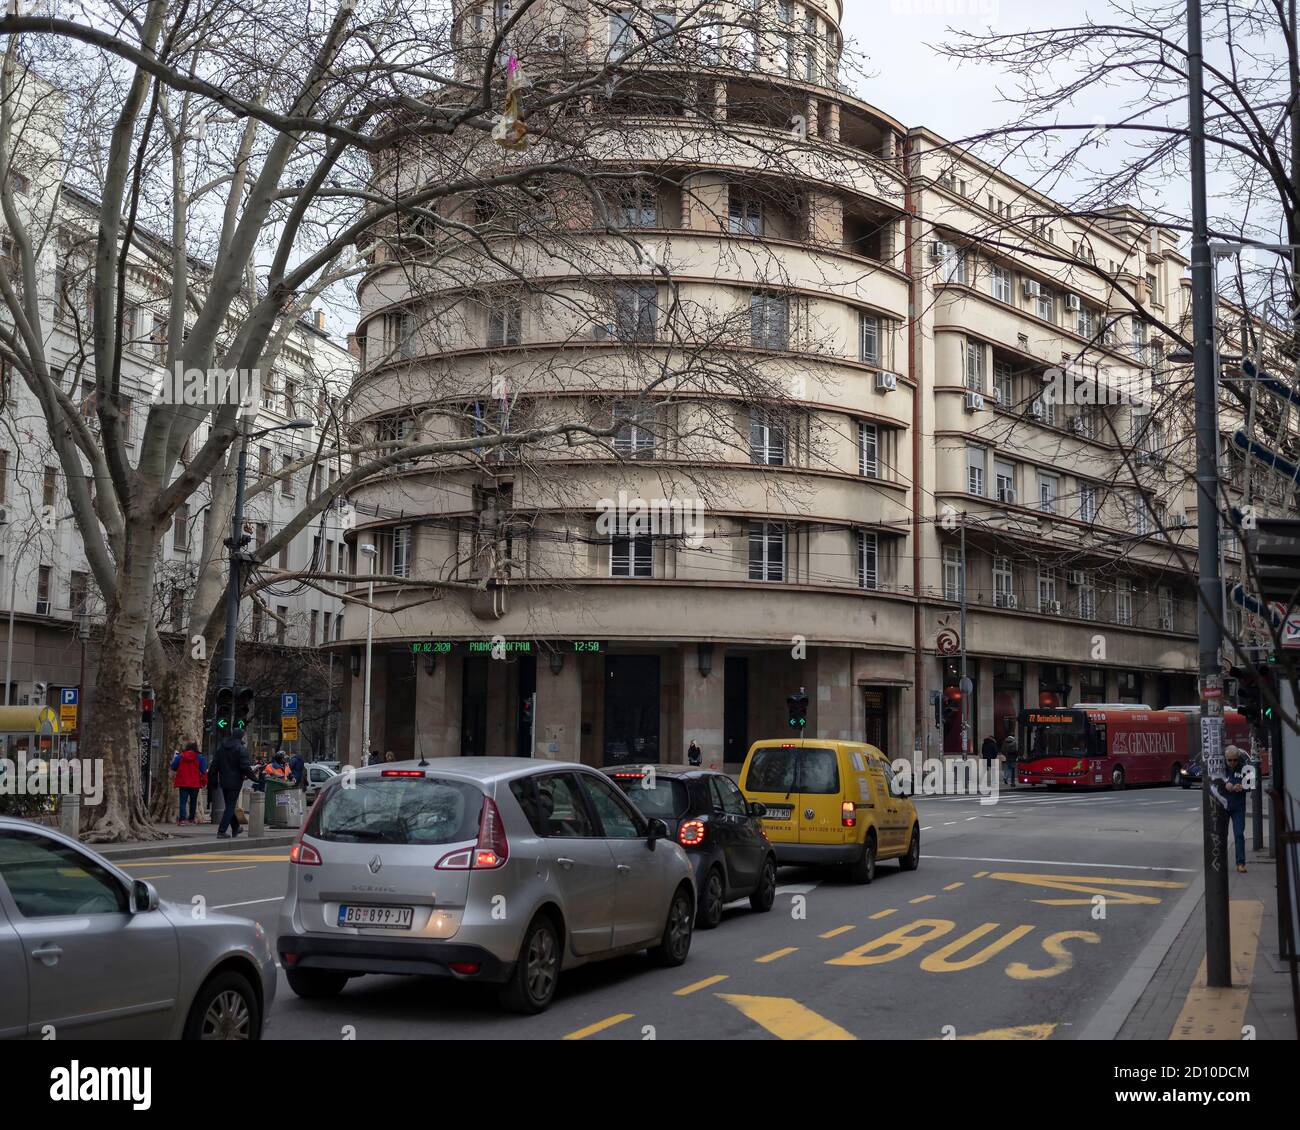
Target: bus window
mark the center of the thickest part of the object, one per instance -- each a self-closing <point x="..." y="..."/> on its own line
<point x="1065" y="735"/>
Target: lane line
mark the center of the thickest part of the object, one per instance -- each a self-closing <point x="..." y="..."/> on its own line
<point x="220" y="870"/>
<point x="686" y="990"/>
<point x="920" y="898"/>
<point x="775" y="954"/>
<point x="153" y="876"/>
<point x="927" y="827"/>
<point x="599" y="1026"/>
<point x="837" y="931"/>
<point x="883" y="913"/>
<point x="1063" y="863"/>
<point x="953" y="886"/>
<point x="249" y="902"/>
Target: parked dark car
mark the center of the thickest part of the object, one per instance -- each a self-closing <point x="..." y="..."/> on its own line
<point x="722" y="833"/>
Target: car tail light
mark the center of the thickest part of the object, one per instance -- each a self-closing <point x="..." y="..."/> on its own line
<point x="628" y="776"/>
<point x="465" y="968"/>
<point x="491" y="850"/>
<point x="692" y="833"/>
<point x="849" y="814"/>
<point x="304" y="854"/>
<point x="402" y="773"/>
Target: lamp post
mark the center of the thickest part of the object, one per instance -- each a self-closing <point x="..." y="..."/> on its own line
<point x="235" y="543"/>
<point x="369" y="551"/>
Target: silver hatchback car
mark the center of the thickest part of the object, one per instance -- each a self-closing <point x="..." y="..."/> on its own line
<point x="88" y="952"/>
<point x="498" y="870"/>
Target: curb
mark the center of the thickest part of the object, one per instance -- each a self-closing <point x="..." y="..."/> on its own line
<point x="1110" y="1018"/>
<point x="191" y="845"/>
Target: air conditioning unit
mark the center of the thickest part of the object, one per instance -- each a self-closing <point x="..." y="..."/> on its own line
<point x="1055" y="607"/>
<point x="1007" y="495"/>
<point x="1166" y="623"/>
<point x="1074" y="577"/>
<point x="997" y="395"/>
<point x="886" y="382"/>
<point x="42" y="608"/>
<point x="1033" y="288"/>
<point x="936" y="251"/>
<point x="1005" y="600"/>
<point x="1076" y="425"/>
<point x="1146" y="458"/>
<point x="974" y="402"/>
<point x="1037" y="409"/>
<point x="1180" y="522"/>
<point x="605" y="332"/>
<point x="556" y="41"/>
<point x="1072" y="302"/>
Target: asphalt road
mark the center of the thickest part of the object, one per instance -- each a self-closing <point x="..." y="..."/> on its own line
<point x="1020" y="922"/>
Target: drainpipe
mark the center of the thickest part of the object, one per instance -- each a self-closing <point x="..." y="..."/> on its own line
<point x="911" y="249"/>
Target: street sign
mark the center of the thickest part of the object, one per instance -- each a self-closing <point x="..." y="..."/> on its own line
<point x="289" y="705"/>
<point x="67" y="717"/>
<point x="69" y="696"/>
<point x="289" y="728"/>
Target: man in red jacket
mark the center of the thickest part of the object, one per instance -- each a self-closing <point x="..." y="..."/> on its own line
<point x="191" y="769"/>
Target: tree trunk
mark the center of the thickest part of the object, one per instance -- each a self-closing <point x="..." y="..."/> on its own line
<point x="180" y="693"/>
<point x="113" y="725"/>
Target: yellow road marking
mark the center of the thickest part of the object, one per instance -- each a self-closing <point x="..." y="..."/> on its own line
<point x="836" y="932"/>
<point x="953" y="886"/>
<point x="979" y="874"/>
<point x="884" y="913"/>
<point x="774" y="955"/>
<point x="599" y="1026"/>
<point x="153" y="876"/>
<point x="1116" y="890"/>
<point x="219" y="870"/>
<point x="921" y="898"/>
<point x="787" y="1019"/>
<point x="198" y="860"/>
<point x="1020" y="1032"/>
<point x="1217" y="1014"/>
<point x="686" y="990"/>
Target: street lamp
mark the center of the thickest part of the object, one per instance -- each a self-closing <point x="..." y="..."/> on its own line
<point x="369" y="551"/>
<point x="235" y="543"/>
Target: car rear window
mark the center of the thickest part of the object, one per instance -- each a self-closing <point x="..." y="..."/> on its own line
<point x="399" y="810"/>
<point x="666" y="800"/>
<point x="774" y="769"/>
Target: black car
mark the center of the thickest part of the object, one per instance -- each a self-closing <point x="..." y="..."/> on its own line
<point x="722" y="833"/>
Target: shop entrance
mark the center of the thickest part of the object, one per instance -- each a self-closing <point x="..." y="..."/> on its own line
<point x="631" y="709"/>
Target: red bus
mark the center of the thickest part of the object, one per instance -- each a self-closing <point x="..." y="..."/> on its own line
<point x="1104" y="744"/>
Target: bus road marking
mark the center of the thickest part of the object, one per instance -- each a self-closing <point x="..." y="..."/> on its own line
<point x="836" y="932"/>
<point x="599" y="1026"/>
<point x="786" y="1018"/>
<point x="1065" y="863"/>
<point x="1114" y="889"/>
<point x="686" y="990"/>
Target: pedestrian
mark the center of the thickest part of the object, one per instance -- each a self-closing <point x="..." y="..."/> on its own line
<point x="191" y="769"/>
<point x="232" y="767"/>
<point x="693" y="754"/>
<point x="1010" y="753"/>
<point x="989" y="752"/>
<point x="390" y="756"/>
<point x="277" y="769"/>
<point x="297" y="771"/>
<point x="1234" y="788"/>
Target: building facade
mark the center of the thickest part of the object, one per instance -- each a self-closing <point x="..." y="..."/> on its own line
<point x="940" y="475"/>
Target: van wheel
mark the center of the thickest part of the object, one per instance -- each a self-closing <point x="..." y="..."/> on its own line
<point x="1117" y="778"/>
<point x="225" y="1008"/>
<point x="316" y="984"/>
<point x="865" y="869"/>
<point x="1176" y="778"/>
<point x="676" y="941"/>
<point x="912" y="860"/>
<point x="709" y="913"/>
<point x="765" y="893"/>
<point x="537" y="971"/>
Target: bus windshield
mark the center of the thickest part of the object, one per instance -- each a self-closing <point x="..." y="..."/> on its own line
<point x="1060" y="735"/>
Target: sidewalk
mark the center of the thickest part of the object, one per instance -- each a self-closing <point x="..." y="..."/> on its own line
<point x="193" y="838"/>
<point x="1176" y="1005"/>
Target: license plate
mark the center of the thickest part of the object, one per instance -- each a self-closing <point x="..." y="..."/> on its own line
<point x="377" y="917"/>
<point x="779" y="811"/>
<point x="1048" y="781"/>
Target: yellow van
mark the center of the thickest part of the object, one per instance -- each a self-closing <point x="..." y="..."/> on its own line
<point x="831" y="803"/>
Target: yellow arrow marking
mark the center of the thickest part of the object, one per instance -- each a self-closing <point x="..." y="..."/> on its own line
<point x="1020" y="1032"/>
<point x="787" y="1019"/>
<point x="1113" y="889"/>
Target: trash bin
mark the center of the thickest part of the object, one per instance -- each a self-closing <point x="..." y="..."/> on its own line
<point x="283" y="806"/>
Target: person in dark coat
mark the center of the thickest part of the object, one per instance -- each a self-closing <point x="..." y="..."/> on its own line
<point x="297" y="771"/>
<point x="232" y="768"/>
<point x="1234" y="789"/>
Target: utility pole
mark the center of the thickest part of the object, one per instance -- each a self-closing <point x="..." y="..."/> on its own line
<point x="1218" y="962"/>
<point x="965" y="685"/>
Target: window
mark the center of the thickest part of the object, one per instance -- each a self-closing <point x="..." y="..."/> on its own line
<point x="952" y="263"/>
<point x="637" y="208"/>
<point x="663" y="25"/>
<point x="1004" y="583"/>
<point x="618" y="819"/>
<point x="1087" y="502"/>
<point x="4" y="476"/>
<point x="1046" y="590"/>
<point x="1005" y="480"/>
<point x="47" y="879"/>
<point x="256" y="624"/>
<point x="1139" y="342"/>
<point x="868" y="559"/>
<point x="286" y="476"/>
<point x="263" y="460"/>
<point x="769" y="320"/>
<point x="630" y="555"/>
<point x="745" y="213"/>
<point x="809" y="65"/>
<point x="78" y="587"/>
<point x="181" y="528"/>
<point x="50" y="487"/>
<point x="869" y="338"/>
<point x="766" y="439"/>
<point x="281" y="618"/>
<point x="975" y="366"/>
<point x="1140" y="515"/>
<point x="1048" y="489"/>
<point x="634" y="439"/>
<point x="1045" y="304"/>
<point x="868" y="450"/>
<point x="636" y="312"/>
<point x="402" y="551"/>
<point x="1000" y="279"/>
<point x="505" y="322"/>
<point x="976" y="462"/>
<point x="1004" y="383"/>
<point x="766" y="551"/>
<point x="1153" y="290"/>
<point x="312" y="617"/>
<point x="622" y="33"/>
<point x="952" y="573"/>
<point x="1087" y="595"/>
<point x="43" y="590"/>
<point x="560" y="813"/>
<point x="1123" y="602"/>
<point x="1086" y="322"/>
<point x="1165" y="600"/>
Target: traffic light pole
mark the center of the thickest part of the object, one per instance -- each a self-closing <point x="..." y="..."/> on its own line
<point x="1218" y="967"/>
<point x="235" y="581"/>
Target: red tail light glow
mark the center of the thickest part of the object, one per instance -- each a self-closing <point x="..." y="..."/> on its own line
<point x="692" y="833"/>
<point x="849" y="814"/>
<point x="492" y="849"/>
<point x="402" y="773"/>
<point x="465" y="968"/>
<point x="304" y="854"/>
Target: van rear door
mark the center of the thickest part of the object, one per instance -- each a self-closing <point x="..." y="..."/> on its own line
<point x="821" y="797"/>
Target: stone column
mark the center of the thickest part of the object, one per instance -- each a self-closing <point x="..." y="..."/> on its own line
<point x="833" y="695"/>
<point x="702" y="705"/>
<point x="437" y="709"/>
<point x="559" y="710"/>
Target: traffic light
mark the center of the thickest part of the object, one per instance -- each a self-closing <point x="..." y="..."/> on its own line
<point x="245" y="705"/>
<point x="223" y="711"/>
<point x="797" y="710"/>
